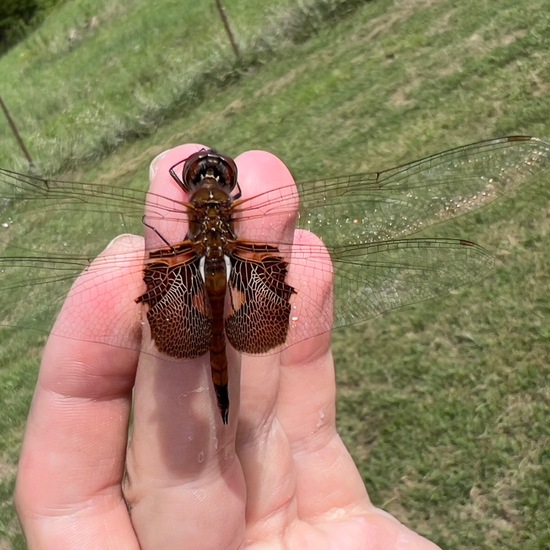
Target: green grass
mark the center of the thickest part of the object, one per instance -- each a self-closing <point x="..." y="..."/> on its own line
<point x="444" y="405"/>
<point x="100" y="73"/>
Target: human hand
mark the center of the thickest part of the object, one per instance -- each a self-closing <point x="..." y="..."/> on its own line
<point x="278" y="476"/>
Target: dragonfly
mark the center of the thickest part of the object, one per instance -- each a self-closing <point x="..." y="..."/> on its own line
<point x="217" y="283"/>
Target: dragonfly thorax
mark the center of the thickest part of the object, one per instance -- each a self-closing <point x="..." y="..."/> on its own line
<point x="210" y="219"/>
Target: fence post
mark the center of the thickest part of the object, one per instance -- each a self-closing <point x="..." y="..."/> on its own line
<point x="15" y="131"/>
<point x="228" y="30"/>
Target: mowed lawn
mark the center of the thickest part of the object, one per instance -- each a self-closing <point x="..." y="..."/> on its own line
<point x="444" y="405"/>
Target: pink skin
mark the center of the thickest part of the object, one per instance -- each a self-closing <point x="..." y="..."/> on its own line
<point x="278" y="476"/>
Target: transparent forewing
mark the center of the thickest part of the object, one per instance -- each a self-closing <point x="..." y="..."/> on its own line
<point x="108" y="207"/>
<point x="353" y="209"/>
<point x="45" y="194"/>
<point x="377" y="206"/>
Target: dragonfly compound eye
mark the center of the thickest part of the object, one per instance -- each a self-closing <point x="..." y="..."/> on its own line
<point x="209" y="163"/>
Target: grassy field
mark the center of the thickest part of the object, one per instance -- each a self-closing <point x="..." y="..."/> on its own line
<point x="444" y="405"/>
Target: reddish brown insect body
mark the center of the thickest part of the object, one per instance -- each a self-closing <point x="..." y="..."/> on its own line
<point x="212" y="286"/>
<point x="187" y="283"/>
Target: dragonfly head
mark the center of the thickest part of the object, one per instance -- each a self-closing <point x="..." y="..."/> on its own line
<point x="207" y="164"/>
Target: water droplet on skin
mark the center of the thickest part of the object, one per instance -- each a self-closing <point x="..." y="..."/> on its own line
<point x="321" y="419"/>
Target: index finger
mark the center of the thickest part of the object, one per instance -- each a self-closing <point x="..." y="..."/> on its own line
<point x="72" y="461"/>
